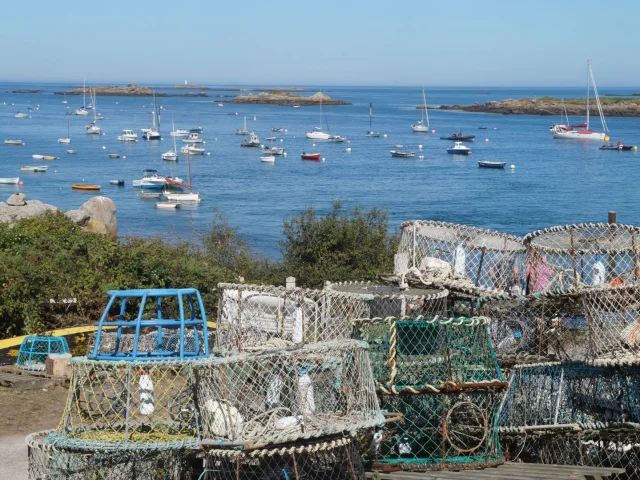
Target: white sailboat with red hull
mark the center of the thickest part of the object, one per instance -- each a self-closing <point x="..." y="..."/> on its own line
<point x="583" y="132"/>
<point x="183" y="197"/>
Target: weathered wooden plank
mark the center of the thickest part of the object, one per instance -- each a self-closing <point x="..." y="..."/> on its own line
<point x="584" y="469"/>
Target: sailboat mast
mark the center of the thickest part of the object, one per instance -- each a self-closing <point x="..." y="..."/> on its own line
<point x="84" y="91"/>
<point x="189" y="170"/>
<point x="588" y="66"/>
<point x="153" y="114"/>
<point x="370" y="112"/>
<point x="424" y="104"/>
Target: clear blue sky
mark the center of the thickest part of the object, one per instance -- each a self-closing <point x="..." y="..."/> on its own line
<point x="375" y="42"/>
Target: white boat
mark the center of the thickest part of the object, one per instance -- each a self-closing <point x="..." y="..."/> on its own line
<point x="268" y="159"/>
<point x="65" y="99"/>
<point x="13" y="142"/>
<point x="193" y="137"/>
<point x="82" y="111"/>
<point x="221" y="105"/>
<point x="273" y="150"/>
<point x="578" y="132"/>
<point x="171" y="155"/>
<point x="337" y="139"/>
<point x="152" y="133"/>
<point x="128" y="136"/>
<point x="34" y="168"/>
<point x="421" y="126"/>
<point x="459" y="148"/>
<point x="68" y="139"/>
<point x="93" y="128"/>
<point x="317" y="133"/>
<point x="270" y="139"/>
<point x="71" y="152"/>
<point x="183" y="197"/>
<point x="244" y="131"/>
<point x="9" y="180"/>
<point x="192" y="149"/>
<point x="21" y="115"/>
<point x="180" y="133"/>
<point x="253" y="141"/>
<point x="371" y="133"/>
<point x="167" y="205"/>
<point x="37" y="157"/>
<point x="150" y="179"/>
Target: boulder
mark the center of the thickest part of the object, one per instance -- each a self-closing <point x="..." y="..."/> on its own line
<point x="15" y="213"/>
<point x="17" y="200"/>
<point x="102" y="215"/>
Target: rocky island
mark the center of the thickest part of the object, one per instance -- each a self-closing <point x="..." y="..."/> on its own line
<point x="287" y="99"/>
<point x="27" y="91"/>
<point x="130" y="90"/>
<point x="611" y="107"/>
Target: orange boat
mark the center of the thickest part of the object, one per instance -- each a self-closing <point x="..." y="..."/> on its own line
<point x="82" y="186"/>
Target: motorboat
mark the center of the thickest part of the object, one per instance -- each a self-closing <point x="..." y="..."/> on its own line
<point x="268" y="159"/>
<point x="583" y="132"/>
<point x="180" y="133"/>
<point x="21" y="115"/>
<point x="296" y="106"/>
<point x="253" y="141"/>
<point x="459" y="137"/>
<point x="114" y="155"/>
<point x="197" y="129"/>
<point x="150" y="180"/>
<point x="193" y="149"/>
<point x="128" y="136"/>
<point x="488" y="164"/>
<point x="310" y="156"/>
<point x="337" y="139"/>
<point x="9" y="180"/>
<point x="402" y="153"/>
<point x="13" y="142"/>
<point x="277" y="129"/>
<point x="151" y="134"/>
<point x="50" y="157"/>
<point x="243" y="131"/>
<point x="221" y="104"/>
<point x="84" y="186"/>
<point x="616" y="146"/>
<point x="32" y="168"/>
<point x="317" y="134"/>
<point x="273" y="150"/>
<point x="167" y="205"/>
<point x="193" y="137"/>
<point x="482" y="127"/>
<point x="459" y="148"/>
<point x="119" y="183"/>
<point x="421" y="126"/>
<point x="270" y="139"/>
<point x="149" y="194"/>
<point x="71" y="152"/>
<point x="37" y="156"/>
<point x="182" y="197"/>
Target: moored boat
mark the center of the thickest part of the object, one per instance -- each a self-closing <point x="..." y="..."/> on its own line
<point x="273" y="150"/>
<point x="402" y="153"/>
<point x="167" y="205"/>
<point x="34" y="168"/>
<point x="128" y="136"/>
<point x="459" y="148"/>
<point x="420" y="126"/>
<point x="13" y="142"/>
<point x="193" y="149"/>
<point x="9" y="180"/>
<point x="489" y="164"/>
<point x="253" y="141"/>
<point x="114" y="155"/>
<point x="617" y="146"/>
<point x="277" y="129"/>
<point x="243" y="131"/>
<point x="336" y="139"/>
<point x="21" y="115"/>
<point x="71" y="152"/>
<point x="193" y="137"/>
<point x="310" y="156"/>
<point x="120" y="183"/>
<point x="459" y="137"/>
<point x="84" y="186"/>
<point x="371" y="133"/>
<point x="50" y="157"/>
<point x="317" y="134"/>
<point x="37" y="156"/>
<point x="268" y="159"/>
<point x="180" y="133"/>
<point x="149" y="194"/>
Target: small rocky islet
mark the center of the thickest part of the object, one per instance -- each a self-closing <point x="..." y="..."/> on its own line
<point x="130" y="90"/>
<point x="611" y="107"/>
<point x="287" y="99"/>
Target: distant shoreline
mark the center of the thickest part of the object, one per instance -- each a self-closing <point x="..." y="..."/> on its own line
<point x="131" y="90"/>
<point x="242" y="89"/>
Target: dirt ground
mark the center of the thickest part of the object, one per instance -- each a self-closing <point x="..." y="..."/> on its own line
<point x="26" y="411"/>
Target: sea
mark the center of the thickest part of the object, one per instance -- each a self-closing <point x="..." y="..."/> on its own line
<point x="553" y="182"/>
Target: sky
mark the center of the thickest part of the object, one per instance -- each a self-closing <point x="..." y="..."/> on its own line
<point x="348" y="42"/>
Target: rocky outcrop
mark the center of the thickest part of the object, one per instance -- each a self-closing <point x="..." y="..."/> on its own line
<point x="611" y="107"/>
<point x="130" y="90"/>
<point x="97" y="215"/>
<point x="287" y="99"/>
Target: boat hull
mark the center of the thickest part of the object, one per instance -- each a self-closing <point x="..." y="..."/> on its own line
<point x="456" y="151"/>
<point x="317" y="135"/>
<point x="310" y="156"/>
<point x="80" y="186"/>
<point x="10" y="181"/>
<point x="492" y="164"/>
<point x="580" y="135"/>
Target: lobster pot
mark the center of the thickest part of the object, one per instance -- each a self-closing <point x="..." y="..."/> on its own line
<point x="335" y="459"/>
<point x="607" y="447"/>
<point x="129" y="405"/>
<point x="573" y="257"/>
<point x="34" y="351"/>
<point x="384" y="301"/>
<point x="564" y="395"/>
<point x="281" y="396"/>
<point x="416" y="354"/>
<point x="461" y="257"/>
<point x="448" y="430"/>
<point x="613" y="316"/>
<point x="252" y="316"/>
<point x="151" y="340"/>
<point x="50" y="463"/>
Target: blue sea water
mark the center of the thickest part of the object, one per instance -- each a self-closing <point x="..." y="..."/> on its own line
<point x="554" y="182"/>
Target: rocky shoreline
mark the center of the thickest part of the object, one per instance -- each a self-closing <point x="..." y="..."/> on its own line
<point x="287" y="99"/>
<point x="130" y="90"/>
<point x="611" y="107"/>
<point x="27" y="91"/>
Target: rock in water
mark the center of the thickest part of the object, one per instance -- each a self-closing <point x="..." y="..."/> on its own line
<point x="17" y="200"/>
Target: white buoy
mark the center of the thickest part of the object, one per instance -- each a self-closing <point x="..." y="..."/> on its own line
<point x="486" y="139"/>
<point x="421" y="157"/>
<point x="348" y="141"/>
<point x="433" y="131"/>
<point x="55" y="171"/>
<point x="124" y="157"/>
<point x="285" y="131"/>
<point x="103" y="133"/>
<point x="348" y="149"/>
<point x="314" y="144"/>
<point x="384" y="136"/>
<point x="495" y="128"/>
<point x="204" y="141"/>
<point x="104" y="148"/>
<point x="281" y="140"/>
<point x="512" y="167"/>
<point x="284" y="154"/>
<point x="208" y="153"/>
<point x="323" y="159"/>
<point x="419" y="147"/>
<point x="215" y="139"/>
<point x="261" y="146"/>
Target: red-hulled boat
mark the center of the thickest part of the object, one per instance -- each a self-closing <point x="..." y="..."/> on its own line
<point x="310" y="156"/>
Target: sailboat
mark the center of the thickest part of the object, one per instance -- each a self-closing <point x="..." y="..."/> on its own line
<point x="244" y="131"/>
<point x="152" y="133"/>
<point x="199" y="128"/>
<point x="83" y="111"/>
<point x="317" y="133"/>
<point x="171" y="155"/>
<point x="93" y="128"/>
<point x="582" y="132"/>
<point x="420" y="126"/>
<point x="183" y="197"/>
<point x="371" y="133"/>
<point x="68" y="139"/>
<point x="65" y="99"/>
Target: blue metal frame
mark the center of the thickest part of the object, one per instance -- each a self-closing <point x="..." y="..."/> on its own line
<point x="158" y="322"/>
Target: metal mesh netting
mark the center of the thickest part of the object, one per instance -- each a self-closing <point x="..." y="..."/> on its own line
<point x="571" y="257"/>
<point x="130" y="405"/>
<point x="288" y="394"/>
<point x="48" y="463"/>
<point x="335" y="459"/>
<point x="383" y="300"/>
<point x="612" y="447"/>
<point x="150" y="341"/>
<point x="34" y="351"/>
<point x="549" y="395"/>
<point x="613" y="316"/>
<point x="452" y="430"/>
<point x="429" y="354"/>
<point x="459" y="256"/>
<point x="252" y="315"/>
